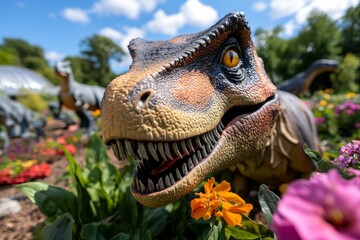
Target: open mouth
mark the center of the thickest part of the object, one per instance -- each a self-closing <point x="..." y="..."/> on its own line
<point x="162" y="164"/>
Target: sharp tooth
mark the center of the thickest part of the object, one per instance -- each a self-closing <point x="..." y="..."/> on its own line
<point x="142" y="151"/>
<point x="216" y="133"/>
<point x="178" y="174"/>
<point x="190" y="164"/>
<point x="209" y="147"/>
<point x="204" y="153"/>
<point x="221" y="127"/>
<point x="176" y="150"/>
<point x="206" y="139"/>
<point x="212" y="138"/>
<point x="136" y="184"/>
<point x="184" y="169"/>
<point x="129" y="148"/>
<point x="172" y="180"/>
<point x="167" y="151"/>
<point x="189" y="145"/>
<point x="199" y="156"/>
<point x="120" y="147"/>
<point x="198" y="143"/>
<point x="142" y="187"/>
<point x="153" y="151"/>
<point x="161" y="150"/>
<point x="195" y="160"/>
<point x="183" y="147"/>
<point x="151" y="186"/>
<point x="115" y="151"/>
<point x="161" y="184"/>
<point x="167" y="181"/>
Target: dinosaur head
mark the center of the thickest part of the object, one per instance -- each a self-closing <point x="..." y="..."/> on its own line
<point x="189" y="107"/>
<point x="63" y="69"/>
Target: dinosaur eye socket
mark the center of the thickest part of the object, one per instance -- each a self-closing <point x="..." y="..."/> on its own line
<point x="230" y="58"/>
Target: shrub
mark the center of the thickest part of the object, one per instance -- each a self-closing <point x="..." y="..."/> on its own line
<point x="346" y="78"/>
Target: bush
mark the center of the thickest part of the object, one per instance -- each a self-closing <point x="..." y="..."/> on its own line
<point x="346" y="78"/>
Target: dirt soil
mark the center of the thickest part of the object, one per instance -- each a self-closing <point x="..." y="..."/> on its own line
<point x="22" y="225"/>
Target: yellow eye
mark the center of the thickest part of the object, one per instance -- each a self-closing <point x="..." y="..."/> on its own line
<point x="230" y="58"/>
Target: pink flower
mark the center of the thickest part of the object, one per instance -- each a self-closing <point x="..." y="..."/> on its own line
<point x="324" y="207"/>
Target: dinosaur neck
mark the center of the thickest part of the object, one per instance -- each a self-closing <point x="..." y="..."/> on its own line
<point x="67" y="83"/>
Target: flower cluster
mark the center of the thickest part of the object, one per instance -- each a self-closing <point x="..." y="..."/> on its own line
<point x="218" y="201"/>
<point x="347" y="107"/>
<point x="20" y="172"/>
<point x="324" y="207"/>
<point x="349" y="155"/>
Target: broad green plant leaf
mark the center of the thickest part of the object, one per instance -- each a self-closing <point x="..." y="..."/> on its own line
<point x="60" y="229"/>
<point x="239" y="233"/>
<point x="217" y="231"/>
<point x="51" y="200"/>
<point x="249" y="230"/>
<point x="268" y="201"/>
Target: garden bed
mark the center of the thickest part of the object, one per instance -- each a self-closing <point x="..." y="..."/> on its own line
<point x="22" y="224"/>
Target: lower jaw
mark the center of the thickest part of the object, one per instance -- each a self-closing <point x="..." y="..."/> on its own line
<point x="208" y="166"/>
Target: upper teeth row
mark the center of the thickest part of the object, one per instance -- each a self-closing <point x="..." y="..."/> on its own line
<point x="165" y="150"/>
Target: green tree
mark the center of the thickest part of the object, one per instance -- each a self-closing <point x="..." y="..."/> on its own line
<point x="19" y="52"/>
<point x="99" y="51"/>
<point x="8" y="57"/>
<point x="272" y="49"/>
<point x="319" y="38"/>
<point x="350" y="25"/>
<point x="346" y="78"/>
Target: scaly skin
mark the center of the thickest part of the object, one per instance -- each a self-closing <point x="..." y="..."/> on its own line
<point x="168" y="111"/>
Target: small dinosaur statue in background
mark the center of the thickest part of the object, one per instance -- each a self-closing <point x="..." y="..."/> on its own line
<point x="199" y="103"/>
<point x="77" y="96"/>
<point x="301" y="82"/>
<point x="19" y="120"/>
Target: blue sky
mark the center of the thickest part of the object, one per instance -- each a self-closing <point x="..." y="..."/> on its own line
<point x="59" y="26"/>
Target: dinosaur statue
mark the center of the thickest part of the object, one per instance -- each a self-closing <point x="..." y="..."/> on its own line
<point x="19" y="120"/>
<point x="199" y="103"/>
<point x="301" y="82"/>
<point x="77" y="96"/>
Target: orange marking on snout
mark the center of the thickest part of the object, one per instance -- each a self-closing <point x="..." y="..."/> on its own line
<point x="193" y="88"/>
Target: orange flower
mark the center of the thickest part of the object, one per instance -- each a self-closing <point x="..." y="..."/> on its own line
<point x="220" y="202"/>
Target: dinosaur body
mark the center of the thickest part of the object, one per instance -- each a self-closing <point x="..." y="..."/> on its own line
<point x="200" y="103"/>
<point x="77" y="96"/>
<point x="301" y="82"/>
<point x="18" y="119"/>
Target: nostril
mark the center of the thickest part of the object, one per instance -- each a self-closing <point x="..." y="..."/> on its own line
<point x="145" y="96"/>
<point x="141" y="100"/>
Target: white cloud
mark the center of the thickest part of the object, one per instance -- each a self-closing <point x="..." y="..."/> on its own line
<point x="166" y="24"/>
<point x="260" y="6"/>
<point x="299" y="10"/>
<point x="192" y="12"/>
<point x="111" y="33"/>
<point x="76" y="15"/>
<point x="123" y="40"/>
<point x="128" y="8"/>
<point x="198" y="14"/>
<point x="53" y="56"/>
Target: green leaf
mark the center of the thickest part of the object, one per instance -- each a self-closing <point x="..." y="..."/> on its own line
<point x="324" y="165"/>
<point x="95" y="150"/>
<point x="60" y="229"/>
<point x="268" y="202"/>
<point x="217" y="232"/>
<point x="154" y="220"/>
<point x="255" y="228"/>
<point x="121" y="236"/>
<point x="51" y="200"/>
<point x="239" y="233"/>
